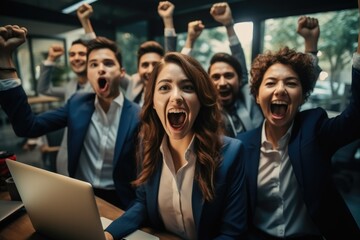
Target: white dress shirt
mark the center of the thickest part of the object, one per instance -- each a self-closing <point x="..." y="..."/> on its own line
<point x="280" y="209"/>
<point x="97" y="155"/>
<point x="175" y="193"/>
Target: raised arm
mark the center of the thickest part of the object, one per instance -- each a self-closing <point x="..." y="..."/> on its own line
<point x="84" y="13"/>
<point x="11" y="36"/>
<point x="195" y="29"/>
<point x="166" y="11"/>
<point x="221" y="12"/>
<point x="44" y="85"/>
<point x="309" y="29"/>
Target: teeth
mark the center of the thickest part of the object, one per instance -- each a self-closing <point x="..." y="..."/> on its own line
<point x="176" y="111"/>
<point x="279" y="102"/>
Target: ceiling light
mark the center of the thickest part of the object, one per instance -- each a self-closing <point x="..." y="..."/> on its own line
<point x="75" y="6"/>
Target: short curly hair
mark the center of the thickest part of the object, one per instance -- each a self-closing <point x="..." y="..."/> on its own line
<point x="301" y="63"/>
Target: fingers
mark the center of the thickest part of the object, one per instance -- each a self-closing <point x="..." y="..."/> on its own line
<point x="13" y="31"/>
<point x="308" y="22"/>
<point x="196" y="25"/>
<point x="85" y="11"/>
<point x="218" y="8"/>
<point x="163" y="5"/>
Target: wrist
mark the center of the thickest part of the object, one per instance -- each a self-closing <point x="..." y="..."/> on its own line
<point x="314" y="52"/>
<point x="229" y="24"/>
<point x="51" y="59"/>
<point x="8" y="69"/>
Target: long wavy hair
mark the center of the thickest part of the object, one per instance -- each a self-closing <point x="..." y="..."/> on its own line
<point x="207" y="126"/>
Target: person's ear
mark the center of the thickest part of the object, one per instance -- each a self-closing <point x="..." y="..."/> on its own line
<point x="122" y="72"/>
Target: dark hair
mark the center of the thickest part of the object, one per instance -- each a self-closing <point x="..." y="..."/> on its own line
<point x="227" y="58"/>
<point x="79" y="41"/>
<point x="103" y="42"/>
<point x="207" y="126"/>
<point x="301" y="63"/>
<point x="149" y="47"/>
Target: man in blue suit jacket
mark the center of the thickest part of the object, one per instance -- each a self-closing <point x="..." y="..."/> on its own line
<point x="288" y="159"/>
<point x="102" y="127"/>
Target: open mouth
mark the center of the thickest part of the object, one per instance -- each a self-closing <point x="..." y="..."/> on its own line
<point x="177" y="118"/>
<point x="224" y="92"/>
<point x="102" y="83"/>
<point x="279" y="108"/>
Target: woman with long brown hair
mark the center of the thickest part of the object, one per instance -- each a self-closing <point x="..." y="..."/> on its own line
<point x="191" y="181"/>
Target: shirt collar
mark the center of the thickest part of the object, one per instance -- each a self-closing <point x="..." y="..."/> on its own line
<point x="189" y="153"/>
<point x="282" y="142"/>
<point x="119" y="101"/>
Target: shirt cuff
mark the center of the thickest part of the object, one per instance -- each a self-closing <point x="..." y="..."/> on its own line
<point x="169" y="32"/>
<point x="186" y="51"/>
<point x="9" y="83"/>
<point x="356" y="60"/>
<point x="314" y="59"/>
<point x="88" y="36"/>
<point x="234" y="40"/>
<point x="49" y="63"/>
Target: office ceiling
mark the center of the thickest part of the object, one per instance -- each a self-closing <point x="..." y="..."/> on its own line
<point x="110" y="14"/>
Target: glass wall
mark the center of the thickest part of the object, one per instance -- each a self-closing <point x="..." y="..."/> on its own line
<point x="216" y="40"/>
<point x="31" y="54"/>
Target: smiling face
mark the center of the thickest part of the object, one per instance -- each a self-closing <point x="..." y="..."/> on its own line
<point x="226" y="81"/>
<point x="104" y="73"/>
<point x="280" y="96"/>
<point x="146" y="65"/>
<point x="176" y="102"/>
<point x="77" y="58"/>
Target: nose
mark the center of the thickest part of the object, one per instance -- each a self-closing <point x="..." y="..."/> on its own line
<point x="176" y="96"/>
<point x="150" y="69"/>
<point x="280" y="89"/>
<point x="76" y="56"/>
<point x="101" y="69"/>
<point x="222" y="81"/>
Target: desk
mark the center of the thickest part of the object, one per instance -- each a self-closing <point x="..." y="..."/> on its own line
<point x="43" y="103"/>
<point x="20" y="228"/>
<point x="43" y="99"/>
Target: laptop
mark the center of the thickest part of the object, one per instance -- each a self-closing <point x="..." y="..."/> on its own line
<point x="61" y="207"/>
<point x="8" y="208"/>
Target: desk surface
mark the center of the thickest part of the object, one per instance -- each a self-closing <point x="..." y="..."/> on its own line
<point x="42" y="99"/>
<point x="20" y="227"/>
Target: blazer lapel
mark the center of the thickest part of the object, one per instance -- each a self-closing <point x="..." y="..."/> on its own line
<point x="252" y="165"/>
<point x="124" y="126"/>
<point x="152" y="198"/>
<point x="295" y="154"/>
<point x="78" y="126"/>
<point x="197" y="204"/>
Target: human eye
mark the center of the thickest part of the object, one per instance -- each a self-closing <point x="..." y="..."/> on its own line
<point x="82" y="54"/>
<point x="188" y="87"/>
<point x="292" y="83"/>
<point x="269" y="83"/>
<point x="145" y="65"/>
<point x="109" y="63"/>
<point x="92" y="65"/>
<point x="215" y="77"/>
<point x="71" y="54"/>
<point x="163" y="87"/>
<point x="229" y="75"/>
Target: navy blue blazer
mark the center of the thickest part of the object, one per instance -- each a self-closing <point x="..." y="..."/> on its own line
<point x="222" y="218"/>
<point x="314" y="139"/>
<point x="76" y="115"/>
